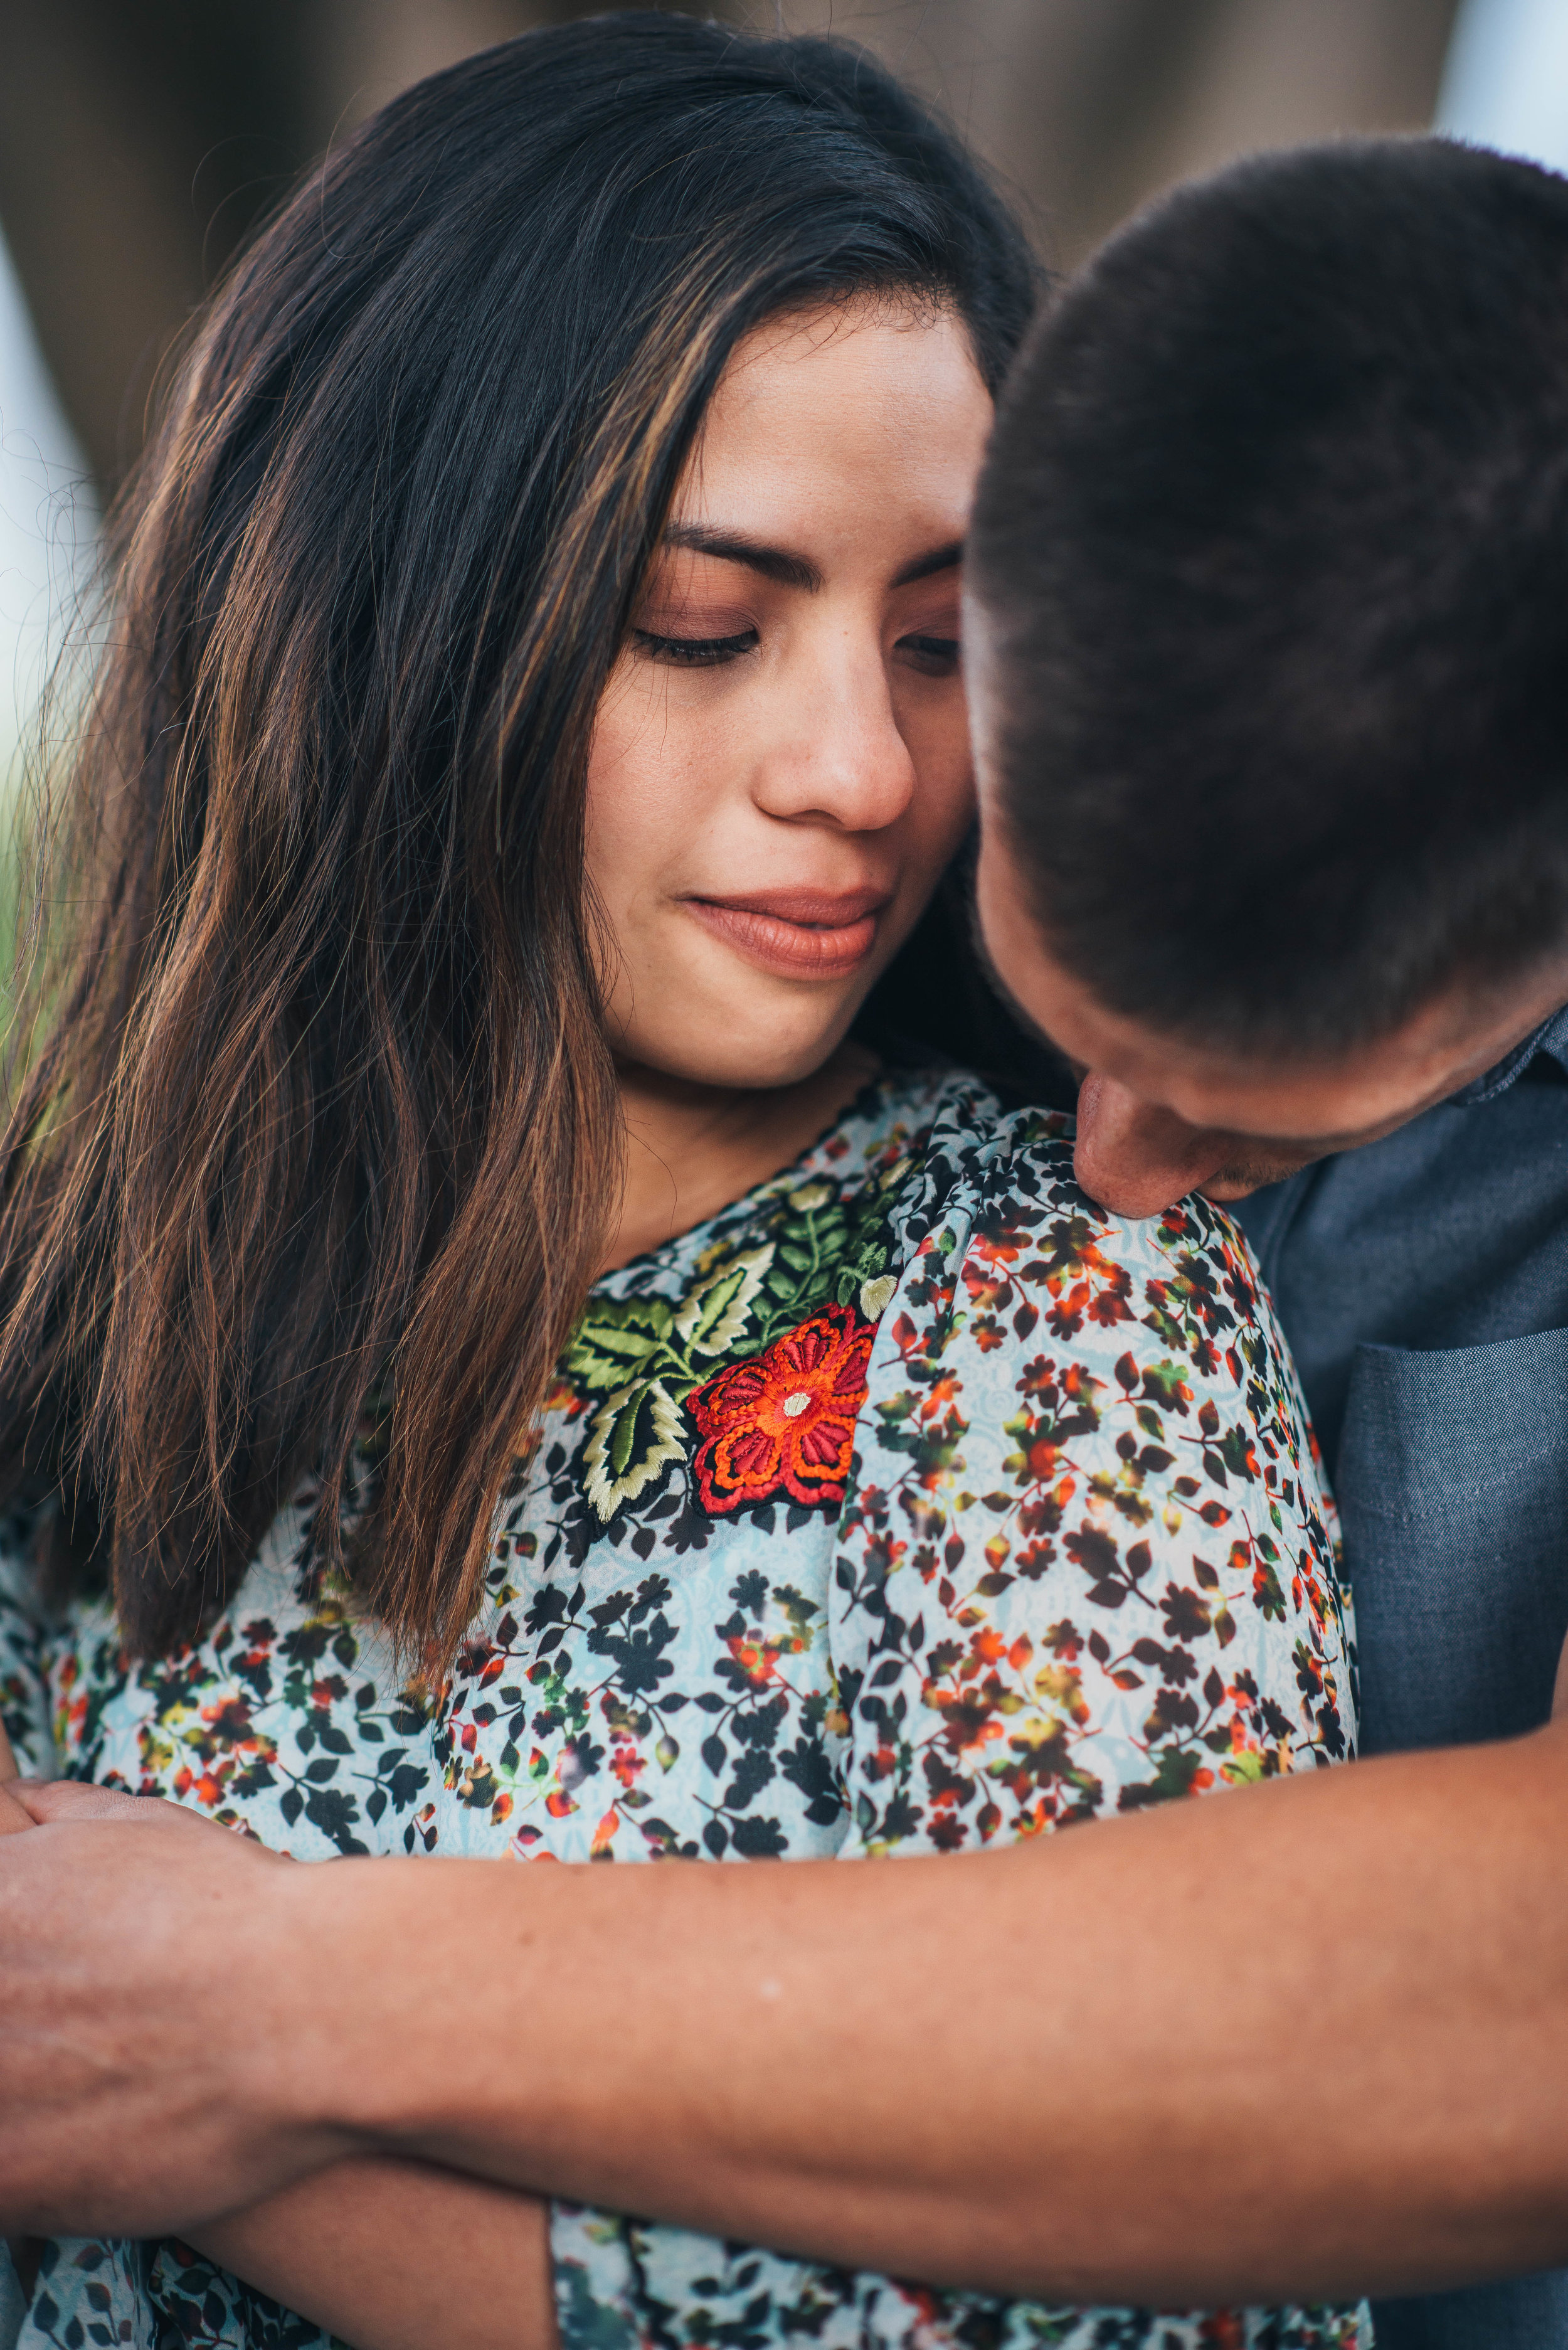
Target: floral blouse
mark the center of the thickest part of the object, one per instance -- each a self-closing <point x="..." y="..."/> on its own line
<point x="911" y="1504"/>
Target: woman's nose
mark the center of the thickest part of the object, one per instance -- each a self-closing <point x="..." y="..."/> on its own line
<point x="1135" y="1158"/>
<point x="837" y="755"/>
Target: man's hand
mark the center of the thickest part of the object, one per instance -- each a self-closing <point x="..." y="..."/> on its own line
<point x="144" y="1960"/>
<point x="132" y="1956"/>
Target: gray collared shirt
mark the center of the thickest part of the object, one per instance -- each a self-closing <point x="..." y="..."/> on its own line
<point x="1423" y="1283"/>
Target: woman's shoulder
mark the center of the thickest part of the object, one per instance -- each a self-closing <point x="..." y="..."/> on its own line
<point x="1016" y="1282"/>
<point x="1086" y="1562"/>
<point x="975" y="1147"/>
<point x="992" y="1176"/>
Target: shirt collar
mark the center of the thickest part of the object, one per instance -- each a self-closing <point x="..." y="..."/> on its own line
<point x="1551" y="1037"/>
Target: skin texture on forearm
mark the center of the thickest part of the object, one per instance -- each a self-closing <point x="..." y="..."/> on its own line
<point x="1298" y="2042"/>
<point x="1293" y="2042"/>
<point x="396" y="2255"/>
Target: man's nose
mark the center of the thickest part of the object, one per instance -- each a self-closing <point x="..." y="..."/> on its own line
<point x="1135" y="1158"/>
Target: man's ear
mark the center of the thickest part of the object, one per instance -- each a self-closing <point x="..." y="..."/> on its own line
<point x="1559" y="1694"/>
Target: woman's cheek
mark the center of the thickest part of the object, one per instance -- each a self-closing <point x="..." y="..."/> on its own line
<point x="638" y="753"/>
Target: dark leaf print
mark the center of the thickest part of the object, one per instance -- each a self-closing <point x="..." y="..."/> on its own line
<point x="758" y="1839"/>
<point x="752" y="1772"/>
<point x="335" y="1813"/>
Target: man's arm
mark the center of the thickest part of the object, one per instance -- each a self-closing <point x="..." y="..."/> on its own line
<point x="1297" y="2041"/>
<point x="392" y="2254"/>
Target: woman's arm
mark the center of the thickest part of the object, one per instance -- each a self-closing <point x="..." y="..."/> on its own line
<point x="397" y="2255"/>
<point x="24" y="1693"/>
<point x="12" y="1816"/>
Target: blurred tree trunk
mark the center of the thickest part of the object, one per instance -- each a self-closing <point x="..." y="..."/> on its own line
<point x="139" y="142"/>
<point x="1088" y="108"/>
<point x="136" y="145"/>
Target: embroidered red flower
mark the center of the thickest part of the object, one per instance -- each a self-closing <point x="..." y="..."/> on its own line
<point x="784" y="1422"/>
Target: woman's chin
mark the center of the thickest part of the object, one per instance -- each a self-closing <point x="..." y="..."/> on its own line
<point x="732" y="1059"/>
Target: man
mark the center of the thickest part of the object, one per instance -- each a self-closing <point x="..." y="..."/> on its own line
<point x="1275" y="697"/>
<point x="1271" y="708"/>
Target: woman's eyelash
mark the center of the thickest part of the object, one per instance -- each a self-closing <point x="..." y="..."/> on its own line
<point x="709" y="652"/>
<point x="942" y="650"/>
<point x="695" y="652"/>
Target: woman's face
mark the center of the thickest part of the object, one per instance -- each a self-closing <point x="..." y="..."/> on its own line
<point x="780" y="767"/>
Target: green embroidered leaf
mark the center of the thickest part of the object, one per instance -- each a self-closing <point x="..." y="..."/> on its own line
<point x="876" y="1296"/>
<point x="616" y="1336"/>
<point x="654" y="1314"/>
<point x="598" y="1374"/>
<point x="714" y="1315"/>
<point x="632" y="1438"/>
<point x="623" y="1434"/>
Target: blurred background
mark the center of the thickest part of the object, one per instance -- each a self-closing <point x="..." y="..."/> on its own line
<point x="139" y="139"/>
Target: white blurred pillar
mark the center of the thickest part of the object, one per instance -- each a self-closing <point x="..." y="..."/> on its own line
<point x="1505" y="83"/>
<point x="48" y="520"/>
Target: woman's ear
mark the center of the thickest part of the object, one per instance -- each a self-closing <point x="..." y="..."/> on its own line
<point x="1559" y="1694"/>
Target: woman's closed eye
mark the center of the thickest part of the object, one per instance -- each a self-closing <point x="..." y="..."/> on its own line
<point x="931" y="655"/>
<point x="694" y="653"/>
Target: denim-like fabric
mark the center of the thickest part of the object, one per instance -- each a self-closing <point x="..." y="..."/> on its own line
<point x="1423" y="1283"/>
<point x="1452" y="1232"/>
<point x="1453" y="1479"/>
<point x="1527" y="2313"/>
<point x="13" y="2308"/>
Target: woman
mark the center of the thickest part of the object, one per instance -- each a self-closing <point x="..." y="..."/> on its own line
<point x="495" y="1362"/>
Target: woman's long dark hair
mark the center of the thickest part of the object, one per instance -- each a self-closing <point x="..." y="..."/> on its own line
<point x="309" y="1078"/>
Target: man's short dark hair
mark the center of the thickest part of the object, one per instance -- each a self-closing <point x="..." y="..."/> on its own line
<point x="1273" y="547"/>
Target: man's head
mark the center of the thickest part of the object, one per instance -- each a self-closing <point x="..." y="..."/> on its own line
<point x="1269" y="658"/>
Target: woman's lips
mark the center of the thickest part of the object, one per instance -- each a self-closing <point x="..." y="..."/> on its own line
<point x="802" y="933"/>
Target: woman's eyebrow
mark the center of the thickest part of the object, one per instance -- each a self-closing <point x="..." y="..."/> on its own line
<point x="940" y="558"/>
<point x="792" y="570"/>
<point x="733" y="547"/>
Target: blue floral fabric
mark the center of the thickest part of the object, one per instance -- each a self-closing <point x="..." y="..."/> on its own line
<point x="911" y="1503"/>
